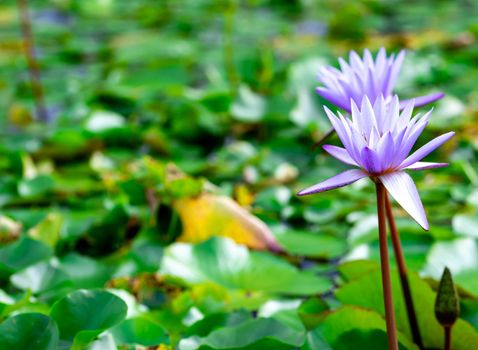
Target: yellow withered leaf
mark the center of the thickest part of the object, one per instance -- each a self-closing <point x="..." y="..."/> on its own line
<point x="214" y="215"/>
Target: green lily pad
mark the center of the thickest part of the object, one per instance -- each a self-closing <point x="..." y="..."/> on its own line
<point x="466" y="225"/>
<point x="141" y="331"/>
<point x="29" y="331"/>
<point x="48" y="230"/>
<point x="21" y="254"/>
<point x="461" y="257"/>
<point x="363" y="328"/>
<point x="85" y="272"/>
<point x="312" y="245"/>
<point x="255" y="334"/>
<point x="366" y="291"/>
<point x="36" y="186"/>
<point x="215" y="321"/>
<point x="249" y="106"/>
<point x="84" y="314"/>
<point x="231" y="265"/>
<point x="40" y="278"/>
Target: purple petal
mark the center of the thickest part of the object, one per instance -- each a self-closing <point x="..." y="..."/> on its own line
<point x="367" y="116"/>
<point x="385" y="150"/>
<point x="340" y="154"/>
<point x="400" y="185"/>
<point x="406" y="114"/>
<point x="370" y="161"/>
<point x="344" y="66"/>
<point x="408" y="141"/>
<point x="367" y="58"/>
<point x="379" y="109"/>
<point x="423" y="100"/>
<point x="394" y="71"/>
<point x="340" y="127"/>
<point x="333" y="98"/>
<point x="380" y="61"/>
<point x="355" y="61"/>
<point x="423" y="151"/>
<point x="345" y="178"/>
<point x="371" y="85"/>
<point x="425" y="165"/>
<point x="355" y="140"/>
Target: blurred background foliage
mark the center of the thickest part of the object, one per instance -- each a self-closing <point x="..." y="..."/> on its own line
<point x="160" y="112"/>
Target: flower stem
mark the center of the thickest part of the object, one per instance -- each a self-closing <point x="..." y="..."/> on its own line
<point x="385" y="266"/>
<point x="402" y="271"/>
<point x="323" y="139"/>
<point x="447" y="337"/>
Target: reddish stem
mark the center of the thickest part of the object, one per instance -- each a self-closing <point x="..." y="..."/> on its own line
<point x="323" y="139"/>
<point x="385" y="267"/>
<point x="402" y="271"/>
<point x="447" y="337"/>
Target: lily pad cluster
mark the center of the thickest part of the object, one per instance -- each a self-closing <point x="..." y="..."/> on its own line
<point x="155" y="207"/>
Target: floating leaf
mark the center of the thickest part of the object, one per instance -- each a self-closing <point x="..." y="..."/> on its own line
<point x="284" y="311"/>
<point x="460" y="256"/>
<point x="36" y="186"/>
<point x="84" y="314"/>
<point x="366" y="291"/>
<point x="103" y="120"/>
<point x="28" y="331"/>
<point x="312" y="312"/>
<point x="215" y="215"/>
<point x="261" y="333"/>
<point x="469" y="311"/>
<point x="363" y="328"/>
<point x="314" y="341"/>
<point x="313" y="245"/>
<point x="85" y="272"/>
<point x="214" y="321"/>
<point x="41" y="277"/>
<point x="222" y="261"/>
<point x="141" y="331"/>
<point x="248" y="107"/>
<point x="21" y="254"/>
<point x="104" y="342"/>
<point x="48" y="230"/>
<point x="466" y="225"/>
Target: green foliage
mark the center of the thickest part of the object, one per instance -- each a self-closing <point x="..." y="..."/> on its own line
<point x="222" y="261"/>
<point x="84" y="314"/>
<point x="153" y="103"/>
<point x="361" y="327"/>
<point x="364" y="289"/>
<point x="140" y="331"/>
<point x="252" y="334"/>
<point x="29" y="331"/>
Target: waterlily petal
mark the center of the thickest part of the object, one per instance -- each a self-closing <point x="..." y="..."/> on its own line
<point x="385" y="150"/>
<point x="340" y="154"/>
<point x="423" y="151"/>
<point x="345" y="178"/>
<point x="402" y="188"/>
<point x="370" y="161"/>
<point x="333" y="98"/>
<point x="423" y="100"/>
<point x="425" y="165"/>
<point x="394" y="71"/>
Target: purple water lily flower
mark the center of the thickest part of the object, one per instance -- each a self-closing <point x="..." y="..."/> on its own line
<point x="378" y="140"/>
<point x="365" y="77"/>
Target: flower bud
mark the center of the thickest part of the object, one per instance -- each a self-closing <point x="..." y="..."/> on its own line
<point x="447" y="306"/>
